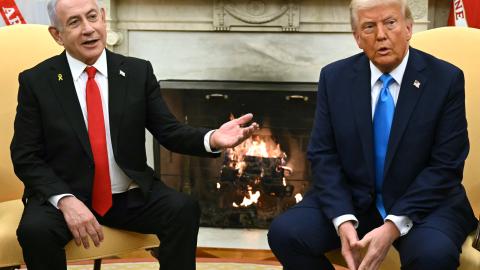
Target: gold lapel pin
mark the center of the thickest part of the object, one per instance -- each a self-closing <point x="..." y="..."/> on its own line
<point x="416" y="83"/>
<point x="60" y="77"/>
<point x="122" y="73"/>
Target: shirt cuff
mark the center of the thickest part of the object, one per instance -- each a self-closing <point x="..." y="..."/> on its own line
<point x="54" y="199"/>
<point x="403" y="223"/>
<point x="206" y="142"/>
<point x="344" y="218"/>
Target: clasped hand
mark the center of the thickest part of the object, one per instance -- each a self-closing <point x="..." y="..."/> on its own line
<point x="374" y="245"/>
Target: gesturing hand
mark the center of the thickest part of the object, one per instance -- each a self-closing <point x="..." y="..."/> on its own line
<point x="378" y="242"/>
<point x="348" y="237"/>
<point x="80" y="221"/>
<point x="232" y="133"/>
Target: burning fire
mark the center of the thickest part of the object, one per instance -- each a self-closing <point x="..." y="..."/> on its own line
<point x="257" y="159"/>
<point x="298" y="197"/>
<point x="255" y="146"/>
<point x="250" y="199"/>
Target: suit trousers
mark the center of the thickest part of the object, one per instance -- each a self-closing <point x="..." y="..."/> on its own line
<point x="301" y="236"/>
<point x="171" y="215"/>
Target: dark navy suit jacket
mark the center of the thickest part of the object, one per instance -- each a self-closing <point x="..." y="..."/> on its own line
<point x="426" y="152"/>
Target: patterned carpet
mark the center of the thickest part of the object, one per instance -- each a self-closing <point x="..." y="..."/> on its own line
<point x="200" y="266"/>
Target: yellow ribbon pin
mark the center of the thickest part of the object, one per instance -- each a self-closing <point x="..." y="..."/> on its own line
<point x="60" y="77"/>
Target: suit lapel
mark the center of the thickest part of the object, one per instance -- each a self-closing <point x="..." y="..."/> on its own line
<point x="117" y="86"/>
<point x="407" y="100"/>
<point x="361" y="100"/>
<point x="64" y="89"/>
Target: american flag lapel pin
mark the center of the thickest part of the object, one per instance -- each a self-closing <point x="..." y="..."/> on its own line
<point x="122" y="73"/>
<point x="416" y="83"/>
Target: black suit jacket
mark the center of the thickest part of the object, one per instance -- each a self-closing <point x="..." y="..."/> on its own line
<point x="50" y="148"/>
<point x="426" y="152"/>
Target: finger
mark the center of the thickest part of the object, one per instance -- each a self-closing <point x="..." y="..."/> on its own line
<point x="93" y="235"/>
<point x="84" y="237"/>
<point x="376" y="259"/>
<point x="99" y="230"/>
<point x="347" y="255"/>
<point x="364" y="265"/>
<point x="357" y="258"/>
<point x="244" y="119"/>
<point x="362" y="243"/>
<point x="74" y="230"/>
<point x="375" y="264"/>
<point x="76" y="236"/>
<point x="351" y="264"/>
<point x="368" y="259"/>
<point x="247" y="132"/>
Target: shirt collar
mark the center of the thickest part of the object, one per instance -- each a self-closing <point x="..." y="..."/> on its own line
<point x="397" y="73"/>
<point x="77" y="67"/>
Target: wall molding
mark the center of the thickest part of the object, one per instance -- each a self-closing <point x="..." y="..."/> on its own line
<point x="244" y="14"/>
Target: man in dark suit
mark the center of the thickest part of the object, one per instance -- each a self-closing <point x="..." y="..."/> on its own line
<point x="387" y="152"/>
<point x="79" y="147"/>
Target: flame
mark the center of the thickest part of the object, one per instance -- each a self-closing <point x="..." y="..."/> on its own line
<point x="258" y="149"/>
<point x="250" y="199"/>
<point x="298" y="197"/>
<point x="256" y="146"/>
<point x="239" y="159"/>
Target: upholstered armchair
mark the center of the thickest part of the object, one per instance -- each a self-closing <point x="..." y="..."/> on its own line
<point x="21" y="47"/>
<point x="461" y="47"/>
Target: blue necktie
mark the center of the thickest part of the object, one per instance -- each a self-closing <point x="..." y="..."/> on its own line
<point x="382" y="121"/>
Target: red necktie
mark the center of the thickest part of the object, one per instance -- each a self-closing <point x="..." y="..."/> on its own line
<point x="102" y="192"/>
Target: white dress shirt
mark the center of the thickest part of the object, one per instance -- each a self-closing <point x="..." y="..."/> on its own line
<point x="120" y="182"/>
<point x="403" y="223"/>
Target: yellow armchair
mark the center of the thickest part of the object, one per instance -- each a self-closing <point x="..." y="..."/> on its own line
<point x="21" y="47"/>
<point x="459" y="46"/>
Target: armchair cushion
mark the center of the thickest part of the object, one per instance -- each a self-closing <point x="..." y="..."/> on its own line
<point x="116" y="241"/>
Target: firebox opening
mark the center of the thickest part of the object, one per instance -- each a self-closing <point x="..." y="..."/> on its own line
<point x="258" y="179"/>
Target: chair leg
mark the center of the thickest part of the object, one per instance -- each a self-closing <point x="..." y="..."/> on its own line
<point x="153" y="252"/>
<point x="97" y="264"/>
<point x="10" y="267"/>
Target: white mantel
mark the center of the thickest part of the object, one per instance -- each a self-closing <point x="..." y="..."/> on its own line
<point x="241" y="15"/>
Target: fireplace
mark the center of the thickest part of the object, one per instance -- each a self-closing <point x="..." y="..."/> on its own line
<point x="254" y="182"/>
